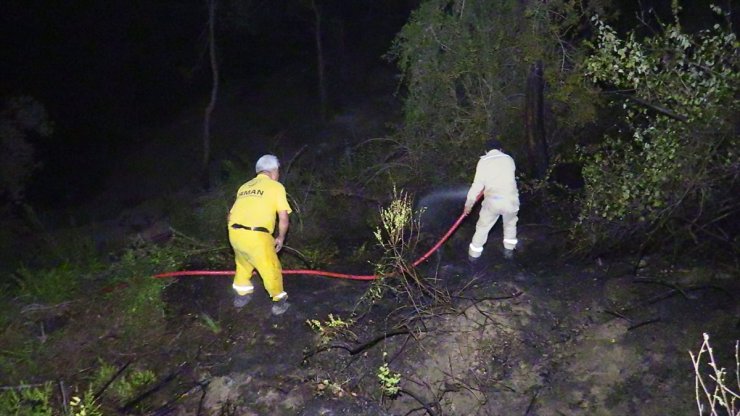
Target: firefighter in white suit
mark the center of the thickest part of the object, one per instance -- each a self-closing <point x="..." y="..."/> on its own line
<point x="495" y="177"/>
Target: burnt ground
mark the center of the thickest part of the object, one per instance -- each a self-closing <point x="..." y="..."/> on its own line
<point x="541" y="335"/>
<point x="534" y="336"/>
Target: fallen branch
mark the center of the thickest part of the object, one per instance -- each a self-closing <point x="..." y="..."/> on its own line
<point x="359" y="348"/>
<point x="505" y="297"/>
<point x="292" y="159"/>
<point x="63" y="391"/>
<point x="41" y="307"/>
<point x="128" y="406"/>
<point x="617" y="314"/>
<point x="673" y="292"/>
<point x="652" y="106"/>
<point x="532" y="402"/>
<point x="120" y="371"/>
<point x="426" y="406"/>
<point x="166" y="409"/>
<point x="649" y="321"/>
<point x="663" y="283"/>
<point x="202" y="399"/>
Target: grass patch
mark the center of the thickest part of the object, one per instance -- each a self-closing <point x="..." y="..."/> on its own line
<point x="27" y="400"/>
<point x="52" y="285"/>
<point x="125" y="386"/>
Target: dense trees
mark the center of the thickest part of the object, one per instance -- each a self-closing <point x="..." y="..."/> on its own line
<point x="466" y="66"/>
<point x="670" y="171"/>
<point x="657" y="154"/>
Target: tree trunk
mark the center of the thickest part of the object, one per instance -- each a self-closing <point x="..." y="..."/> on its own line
<point x="320" y="60"/>
<point x="534" y="122"/>
<point x="214" y="93"/>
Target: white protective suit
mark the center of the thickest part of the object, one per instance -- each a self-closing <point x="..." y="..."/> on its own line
<point x="495" y="176"/>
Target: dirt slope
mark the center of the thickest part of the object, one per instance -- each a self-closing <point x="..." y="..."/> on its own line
<point x="526" y="337"/>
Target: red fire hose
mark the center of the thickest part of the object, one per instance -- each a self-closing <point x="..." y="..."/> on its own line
<point x="321" y="272"/>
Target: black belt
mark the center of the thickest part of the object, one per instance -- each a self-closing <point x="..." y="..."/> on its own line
<point x="244" y="227"/>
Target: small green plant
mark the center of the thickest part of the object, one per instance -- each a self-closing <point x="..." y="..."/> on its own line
<point x="210" y="323"/>
<point x="394" y="223"/>
<point x="389" y="380"/>
<point x="125" y="386"/>
<point x="144" y="307"/>
<point x="397" y="236"/>
<point x="27" y="400"/>
<point x="48" y="285"/>
<point x="330" y="329"/>
<point x="376" y="291"/>
<point x="316" y="254"/>
<point x="85" y="405"/>
<point x="361" y="254"/>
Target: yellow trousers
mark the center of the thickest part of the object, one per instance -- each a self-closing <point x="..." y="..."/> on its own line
<point x="491" y="209"/>
<point x="256" y="250"/>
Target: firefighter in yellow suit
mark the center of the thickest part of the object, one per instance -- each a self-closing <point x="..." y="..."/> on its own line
<point x="251" y="225"/>
<point x="495" y="177"/>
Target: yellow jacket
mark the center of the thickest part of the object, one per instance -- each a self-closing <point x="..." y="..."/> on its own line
<point x="257" y="202"/>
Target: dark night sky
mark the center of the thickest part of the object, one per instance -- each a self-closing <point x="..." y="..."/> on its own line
<point x="104" y="68"/>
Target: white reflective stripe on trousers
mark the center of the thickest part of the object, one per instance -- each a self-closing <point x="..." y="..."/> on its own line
<point x="510" y="241"/>
<point x="249" y="288"/>
<point x="476" y="249"/>
<point x="280" y="296"/>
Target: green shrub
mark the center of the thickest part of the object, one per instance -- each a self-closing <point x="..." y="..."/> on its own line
<point x="139" y="305"/>
<point x="126" y="386"/>
<point x="53" y="285"/>
<point x="27" y="401"/>
<point x="669" y="173"/>
<point x="85" y="405"/>
<point x="389" y="380"/>
<point x="466" y="63"/>
<point x="398" y="235"/>
<point x="143" y="308"/>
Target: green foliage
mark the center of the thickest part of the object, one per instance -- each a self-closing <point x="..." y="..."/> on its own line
<point x="146" y="259"/>
<point x="143" y="304"/>
<point x="675" y="160"/>
<point x="19" y="349"/>
<point x="332" y="328"/>
<point x="466" y="63"/>
<point x="389" y="381"/>
<point x="27" y="401"/>
<point x="85" y="405"/>
<point x="140" y="301"/>
<point x="319" y="254"/>
<point x="398" y="235"/>
<point x="210" y="323"/>
<point x="53" y="285"/>
<point x="127" y="385"/>
<point x="76" y="246"/>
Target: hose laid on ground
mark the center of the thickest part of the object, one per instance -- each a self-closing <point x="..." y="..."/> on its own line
<point x="322" y="272"/>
